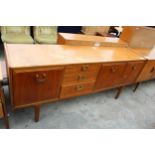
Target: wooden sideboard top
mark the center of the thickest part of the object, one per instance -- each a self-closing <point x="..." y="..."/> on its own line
<point x="82" y="37"/>
<point x="22" y="55"/>
<point x="145" y="52"/>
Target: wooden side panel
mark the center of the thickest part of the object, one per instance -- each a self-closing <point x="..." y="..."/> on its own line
<point x="127" y="33"/>
<point x="61" y="40"/>
<point x="31" y="86"/>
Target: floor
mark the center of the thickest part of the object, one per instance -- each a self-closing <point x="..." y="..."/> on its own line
<point x="95" y="111"/>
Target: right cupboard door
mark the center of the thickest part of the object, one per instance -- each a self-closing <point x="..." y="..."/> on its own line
<point x="110" y="75"/>
<point x="132" y="71"/>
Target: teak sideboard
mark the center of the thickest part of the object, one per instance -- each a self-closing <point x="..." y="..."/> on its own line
<point x="89" y="40"/>
<point x="43" y="73"/>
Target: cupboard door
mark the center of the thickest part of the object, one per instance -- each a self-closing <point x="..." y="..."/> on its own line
<point x="153" y="72"/>
<point x="31" y="86"/>
<point x="132" y="71"/>
<point x="1" y="110"/>
<point x="110" y="75"/>
<point x="148" y="71"/>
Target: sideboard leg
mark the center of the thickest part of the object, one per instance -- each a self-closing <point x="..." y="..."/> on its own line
<point x="37" y="112"/>
<point x="118" y="92"/>
<point x="137" y="85"/>
<point x="6" y="121"/>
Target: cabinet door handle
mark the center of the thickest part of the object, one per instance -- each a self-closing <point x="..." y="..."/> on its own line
<point x="133" y="67"/>
<point x="84" y="68"/>
<point x="81" y="77"/>
<point x="41" y="78"/>
<point x="152" y="70"/>
<point x="79" y="88"/>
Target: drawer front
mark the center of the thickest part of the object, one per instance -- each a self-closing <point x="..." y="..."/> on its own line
<point x="148" y="71"/>
<point x="76" y="90"/>
<point x="82" y="68"/>
<point x="110" y="75"/>
<point x="132" y="71"/>
<point x="1" y="110"/>
<point x="79" y="77"/>
<point x="31" y="86"/>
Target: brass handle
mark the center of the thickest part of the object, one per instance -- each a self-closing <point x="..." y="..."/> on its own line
<point x="81" y="77"/>
<point x="125" y="76"/>
<point x="152" y="70"/>
<point x="133" y="67"/>
<point x="41" y="78"/>
<point x="84" y="68"/>
<point x="113" y="69"/>
<point x="78" y="88"/>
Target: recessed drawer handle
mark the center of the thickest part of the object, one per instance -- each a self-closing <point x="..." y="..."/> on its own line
<point x="152" y="70"/>
<point x="41" y="78"/>
<point x="84" y="68"/>
<point x="133" y="67"/>
<point x="79" y="88"/>
<point x="81" y="77"/>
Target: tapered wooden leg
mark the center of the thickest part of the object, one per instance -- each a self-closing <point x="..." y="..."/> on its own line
<point x="37" y="112"/>
<point x="118" y="92"/>
<point x="137" y="85"/>
<point x="6" y="121"/>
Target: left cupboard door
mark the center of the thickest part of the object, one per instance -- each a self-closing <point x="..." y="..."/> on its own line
<point x="31" y="86"/>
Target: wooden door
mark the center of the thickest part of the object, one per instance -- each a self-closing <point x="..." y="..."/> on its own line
<point x="132" y="71"/>
<point x="148" y="71"/>
<point x="1" y="110"/>
<point x="110" y="76"/>
<point x="32" y="86"/>
<point x="153" y="71"/>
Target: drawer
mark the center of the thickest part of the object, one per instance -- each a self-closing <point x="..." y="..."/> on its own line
<point x="80" y="77"/>
<point x="36" y="85"/>
<point x="75" y="90"/>
<point x="82" y="68"/>
<point x="1" y="110"/>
